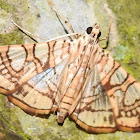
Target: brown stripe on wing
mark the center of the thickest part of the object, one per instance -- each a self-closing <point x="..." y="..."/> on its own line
<point x="51" y="59"/>
<point x="27" y="108"/>
<point x="93" y="112"/>
<point x="19" y="63"/>
<point x="66" y="49"/>
<point x="37" y="61"/>
<point x="91" y="129"/>
<point x="6" y="61"/>
<point x="124" y="94"/>
<point x="110" y="87"/>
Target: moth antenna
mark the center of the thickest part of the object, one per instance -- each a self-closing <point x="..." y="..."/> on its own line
<point x="67" y="35"/>
<point x="27" y="32"/>
<point x="60" y="17"/>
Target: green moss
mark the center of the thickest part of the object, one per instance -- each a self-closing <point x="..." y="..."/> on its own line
<point x="9" y="124"/>
<point x="14" y="37"/>
<point x="21" y="13"/>
<point x="5" y="6"/>
<point x="127" y="13"/>
<point x="120" y="52"/>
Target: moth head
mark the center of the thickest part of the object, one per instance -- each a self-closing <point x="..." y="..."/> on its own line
<point x="94" y="31"/>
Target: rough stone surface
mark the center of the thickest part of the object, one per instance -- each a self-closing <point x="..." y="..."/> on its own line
<point x="37" y="17"/>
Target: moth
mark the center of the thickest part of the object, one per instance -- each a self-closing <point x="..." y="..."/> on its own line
<point x="74" y="78"/>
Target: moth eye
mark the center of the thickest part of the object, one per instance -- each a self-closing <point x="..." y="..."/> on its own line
<point x="89" y="30"/>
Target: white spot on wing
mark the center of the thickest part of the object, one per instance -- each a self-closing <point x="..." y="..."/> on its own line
<point x="109" y="64"/>
<point x="119" y="76"/>
<point x="132" y="94"/>
<point x="41" y="52"/>
<point x="17" y="56"/>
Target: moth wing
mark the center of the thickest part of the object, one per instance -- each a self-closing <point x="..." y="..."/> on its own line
<point x="19" y="63"/>
<point x="124" y="95"/>
<point x="30" y="74"/>
<point x="39" y="94"/>
<point x="110" y="98"/>
<point x="94" y="112"/>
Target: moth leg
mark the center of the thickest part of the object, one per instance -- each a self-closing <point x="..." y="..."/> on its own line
<point x="28" y="33"/>
<point x="107" y="37"/>
<point x="61" y="18"/>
